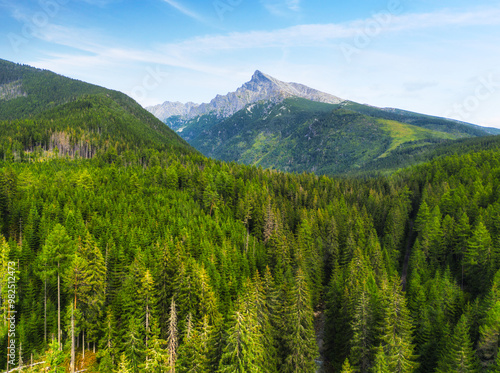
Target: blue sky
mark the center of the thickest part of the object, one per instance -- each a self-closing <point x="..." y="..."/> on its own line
<point x="435" y="57"/>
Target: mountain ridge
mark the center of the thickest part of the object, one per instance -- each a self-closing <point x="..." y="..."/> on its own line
<point x="261" y="87"/>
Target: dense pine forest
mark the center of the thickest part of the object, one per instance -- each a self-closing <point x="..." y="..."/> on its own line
<point x="206" y="266"/>
<point x="129" y="251"/>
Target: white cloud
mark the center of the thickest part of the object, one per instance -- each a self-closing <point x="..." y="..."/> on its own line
<point x="281" y="8"/>
<point x="312" y="35"/>
<point x="293" y="5"/>
<point x="184" y="10"/>
<point x="318" y="34"/>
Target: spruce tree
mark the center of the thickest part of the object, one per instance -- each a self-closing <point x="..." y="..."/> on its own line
<point x="172" y="341"/>
<point x="93" y="283"/>
<point x="124" y="365"/>
<point x="458" y="355"/>
<point x="105" y="361"/>
<point x="496" y="366"/>
<point x="157" y="358"/>
<point x="299" y="337"/>
<point x="260" y="291"/>
<point x="53" y="260"/>
<point x="194" y="353"/>
<point x="487" y="346"/>
<point x="396" y="337"/>
<point x="362" y="328"/>
<point x="55" y="358"/>
<point x="479" y="258"/>
<point x="346" y="367"/>
<point x="462" y="232"/>
<point x="380" y="362"/>
<point x="148" y="302"/>
<point x="134" y="346"/>
<point x="243" y="351"/>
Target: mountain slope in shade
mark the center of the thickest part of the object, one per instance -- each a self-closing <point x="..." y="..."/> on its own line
<point x="261" y="87"/>
<point x="40" y="110"/>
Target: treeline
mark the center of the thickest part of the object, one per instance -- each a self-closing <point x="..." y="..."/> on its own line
<point x="168" y="260"/>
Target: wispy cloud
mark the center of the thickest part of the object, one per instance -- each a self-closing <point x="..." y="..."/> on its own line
<point x="177" y="54"/>
<point x="17" y="11"/>
<point x="293" y="5"/>
<point x="317" y="34"/>
<point x="184" y="10"/>
<point x="281" y="8"/>
<point x="192" y="53"/>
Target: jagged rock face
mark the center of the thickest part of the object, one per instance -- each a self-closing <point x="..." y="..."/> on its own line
<point x="261" y="87"/>
<point x="169" y="109"/>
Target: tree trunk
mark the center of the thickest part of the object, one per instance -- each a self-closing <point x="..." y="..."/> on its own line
<point x="147" y="323"/>
<point x="8" y="340"/>
<point x="59" y="308"/>
<point x="246" y="243"/>
<point x="45" y="309"/>
<point x="72" y="364"/>
<point x="20" y="356"/>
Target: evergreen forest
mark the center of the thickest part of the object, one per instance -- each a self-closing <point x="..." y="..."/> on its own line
<point x="130" y="252"/>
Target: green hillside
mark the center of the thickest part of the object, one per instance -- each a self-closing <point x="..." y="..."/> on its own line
<point x="421" y="120"/>
<point x="299" y="135"/>
<point x="404" y="135"/>
<point x="409" y="155"/>
<point x="41" y="111"/>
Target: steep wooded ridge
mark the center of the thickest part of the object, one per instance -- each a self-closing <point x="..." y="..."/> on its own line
<point x="291" y="127"/>
<point x="41" y="111"/>
<point x="160" y="259"/>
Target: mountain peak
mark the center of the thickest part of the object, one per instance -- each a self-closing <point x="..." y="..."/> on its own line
<point x="261" y="87"/>
<point x="259" y="76"/>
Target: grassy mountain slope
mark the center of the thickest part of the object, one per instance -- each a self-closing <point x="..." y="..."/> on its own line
<point x="409" y="156"/>
<point x="422" y="120"/>
<point x="300" y="135"/>
<point x="42" y="110"/>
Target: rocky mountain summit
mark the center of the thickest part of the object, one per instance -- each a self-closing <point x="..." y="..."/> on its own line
<point x="169" y="109"/>
<point x="261" y="87"/>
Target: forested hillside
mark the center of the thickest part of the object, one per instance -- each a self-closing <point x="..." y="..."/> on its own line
<point x="124" y="250"/>
<point x="299" y="135"/>
<point x="46" y="113"/>
<point x="179" y="260"/>
<point x="401" y="158"/>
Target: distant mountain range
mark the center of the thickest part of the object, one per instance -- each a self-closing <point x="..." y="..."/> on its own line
<point x="292" y="127"/>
